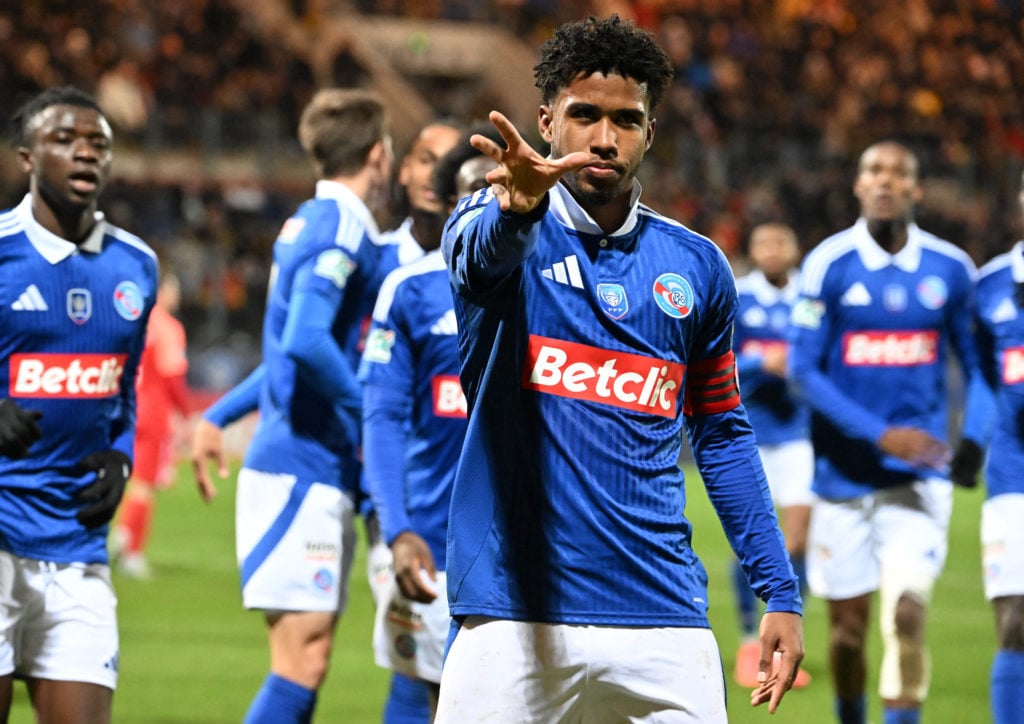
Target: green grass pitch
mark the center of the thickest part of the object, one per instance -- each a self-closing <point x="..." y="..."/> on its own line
<point x="190" y="653"/>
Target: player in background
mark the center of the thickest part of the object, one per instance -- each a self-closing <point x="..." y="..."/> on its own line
<point x="880" y="303"/>
<point x="780" y="422"/>
<point x="75" y="294"/>
<point x="591" y="332"/>
<point x="299" y="482"/>
<point x="1000" y="333"/>
<point x="161" y="390"/>
<point x="408" y="700"/>
<point x="414" y="422"/>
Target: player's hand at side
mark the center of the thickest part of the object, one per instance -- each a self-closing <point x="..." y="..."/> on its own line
<point x="523" y="176"/>
<point x="207" y="444"/>
<point x="414" y="567"/>
<point x="773" y="360"/>
<point x="782" y="650"/>
<point x="19" y="429"/>
<point x="915" y="446"/>
<point x="112" y="468"/>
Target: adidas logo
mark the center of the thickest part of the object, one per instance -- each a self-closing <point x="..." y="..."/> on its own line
<point x="856" y="296"/>
<point x="31" y="300"/>
<point x="446" y="324"/>
<point x="565" y="272"/>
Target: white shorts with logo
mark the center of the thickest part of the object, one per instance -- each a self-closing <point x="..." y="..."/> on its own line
<point x="1002" y="545"/>
<point x="850" y="542"/>
<point x="295" y="541"/>
<point x="409" y="637"/>
<point x="510" y="671"/>
<point x="789" y="468"/>
<point x="58" y="621"/>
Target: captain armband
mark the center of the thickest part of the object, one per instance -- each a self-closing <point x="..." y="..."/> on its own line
<point x="712" y="386"/>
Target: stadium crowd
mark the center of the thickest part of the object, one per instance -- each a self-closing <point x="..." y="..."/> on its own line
<point x="772" y="102"/>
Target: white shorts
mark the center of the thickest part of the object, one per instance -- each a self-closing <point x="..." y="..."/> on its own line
<point x="510" y="671"/>
<point x="850" y="542"/>
<point x="789" y="468"/>
<point x="58" y="621"/>
<point x="409" y="637"/>
<point x="1002" y="545"/>
<point x="294" y="541"/>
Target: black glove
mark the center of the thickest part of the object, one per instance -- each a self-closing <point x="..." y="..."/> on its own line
<point x="18" y="429"/>
<point x="112" y="468"/>
<point x="966" y="464"/>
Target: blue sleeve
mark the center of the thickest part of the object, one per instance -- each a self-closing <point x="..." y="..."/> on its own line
<point x="483" y="244"/>
<point x="388" y="373"/>
<point x="726" y="454"/>
<point x="980" y="406"/>
<point x="237" y="402"/>
<point x="809" y="335"/>
<point x="725" y="451"/>
<point x="980" y="403"/>
<point x="307" y="340"/>
<point x="122" y="432"/>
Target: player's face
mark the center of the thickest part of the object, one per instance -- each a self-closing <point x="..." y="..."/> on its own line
<point x="605" y="116"/>
<point x="418" y="165"/>
<point x="68" y="156"/>
<point x="887" y="185"/>
<point x="773" y="250"/>
<point x="472" y="175"/>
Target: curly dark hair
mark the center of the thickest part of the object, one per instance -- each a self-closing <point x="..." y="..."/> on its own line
<point x="606" y="46"/>
<point x="60" y="96"/>
<point x="447" y="168"/>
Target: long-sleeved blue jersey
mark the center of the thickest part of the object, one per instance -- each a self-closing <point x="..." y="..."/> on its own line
<point x="323" y="284"/>
<point x="414" y="412"/>
<point x="761" y="323"/>
<point x="72" y="328"/>
<point x="870" y="334"/>
<point x="582" y="353"/>
<point x="1000" y="332"/>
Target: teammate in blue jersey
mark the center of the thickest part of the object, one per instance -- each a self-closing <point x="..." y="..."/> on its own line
<point x="414" y="422"/>
<point x="591" y="332"/>
<point x="300" y="477"/>
<point x="75" y="296"/>
<point x="408" y="700"/>
<point x="880" y="305"/>
<point x="1000" y="332"/>
<point x="780" y="421"/>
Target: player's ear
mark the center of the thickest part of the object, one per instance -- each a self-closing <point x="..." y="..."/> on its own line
<point x="25" y="159"/>
<point x="544" y="118"/>
<point x="650" y="134"/>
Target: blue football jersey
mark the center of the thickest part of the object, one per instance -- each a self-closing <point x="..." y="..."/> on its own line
<point x="582" y="355"/>
<point x="761" y="323"/>
<point x="72" y="328"/>
<point x="414" y="412"/>
<point x="870" y="338"/>
<point x="330" y="247"/>
<point x="1000" y="332"/>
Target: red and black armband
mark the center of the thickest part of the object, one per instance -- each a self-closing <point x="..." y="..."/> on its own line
<point x="712" y="386"/>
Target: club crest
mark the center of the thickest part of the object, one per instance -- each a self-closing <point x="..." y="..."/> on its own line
<point x="674" y="295"/>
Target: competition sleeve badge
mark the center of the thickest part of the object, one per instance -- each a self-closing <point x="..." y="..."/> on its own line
<point x="613" y="300"/>
<point x="674" y="295"/>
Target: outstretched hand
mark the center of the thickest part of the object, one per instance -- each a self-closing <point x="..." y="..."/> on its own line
<point x="522" y="176"/>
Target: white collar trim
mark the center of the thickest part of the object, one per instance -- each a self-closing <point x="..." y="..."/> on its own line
<point x="875" y="257"/>
<point x="569" y="213"/>
<point x="55" y="248"/>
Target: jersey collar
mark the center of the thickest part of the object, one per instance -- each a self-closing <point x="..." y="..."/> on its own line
<point x="875" y="257"/>
<point x="55" y="248"/>
<point x="1017" y="262"/>
<point x="569" y="213"/>
<point x="767" y="293"/>
<point x="344" y="195"/>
